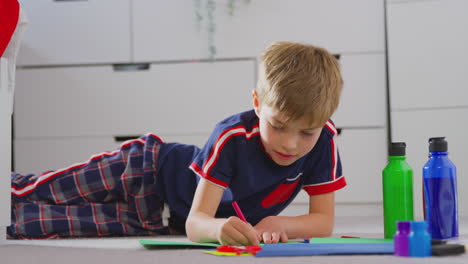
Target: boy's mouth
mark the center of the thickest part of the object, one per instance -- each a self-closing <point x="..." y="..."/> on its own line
<point x="284" y="156"/>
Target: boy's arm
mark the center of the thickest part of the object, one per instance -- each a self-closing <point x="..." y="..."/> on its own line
<point x="202" y="226"/>
<point x="318" y="223"/>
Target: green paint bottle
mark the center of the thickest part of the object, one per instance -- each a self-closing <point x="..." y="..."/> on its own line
<point x="397" y="183"/>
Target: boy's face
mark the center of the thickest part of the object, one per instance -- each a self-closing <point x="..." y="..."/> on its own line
<point x="285" y="142"/>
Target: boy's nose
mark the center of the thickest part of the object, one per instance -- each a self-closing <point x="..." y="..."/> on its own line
<point x="289" y="143"/>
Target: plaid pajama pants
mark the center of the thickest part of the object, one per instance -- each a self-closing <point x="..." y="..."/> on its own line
<point x="110" y="194"/>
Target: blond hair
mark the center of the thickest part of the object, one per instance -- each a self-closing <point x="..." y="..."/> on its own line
<point x="300" y="80"/>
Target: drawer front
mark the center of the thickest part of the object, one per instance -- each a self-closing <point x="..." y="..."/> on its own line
<point x="168" y="99"/>
<point x="364" y="95"/>
<point x="416" y="127"/>
<point x="340" y="26"/>
<point x="75" y="32"/>
<point x="38" y="155"/>
<point x="363" y="155"/>
<point x="428" y="58"/>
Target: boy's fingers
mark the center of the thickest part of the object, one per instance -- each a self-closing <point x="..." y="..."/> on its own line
<point x="283" y="237"/>
<point x="231" y="235"/>
<point x="239" y="238"/>
<point x="275" y="237"/>
<point x="249" y="233"/>
<point x="266" y="237"/>
<point x="252" y="239"/>
<point x="253" y="236"/>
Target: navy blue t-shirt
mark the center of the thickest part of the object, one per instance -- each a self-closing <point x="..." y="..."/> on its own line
<point x="234" y="159"/>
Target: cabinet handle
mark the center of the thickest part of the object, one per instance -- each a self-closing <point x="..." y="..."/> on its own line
<point x="337" y="56"/>
<point x="131" y="67"/>
<point x="125" y="138"/>
<point x="338" y="130"/>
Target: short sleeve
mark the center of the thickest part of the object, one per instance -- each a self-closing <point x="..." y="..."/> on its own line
<point x="215" y="162"/>
<point x="325" y="172"/>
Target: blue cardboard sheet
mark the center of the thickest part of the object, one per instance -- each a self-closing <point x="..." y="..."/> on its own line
<point x="279" y="250"/>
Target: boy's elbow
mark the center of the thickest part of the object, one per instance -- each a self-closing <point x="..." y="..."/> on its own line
<point x="328" y="231"/>
<point x="189" y="229"/>
<point x="193" y="231"/>
<point x="324" y="232"/>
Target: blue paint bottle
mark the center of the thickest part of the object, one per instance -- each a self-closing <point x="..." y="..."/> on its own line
<point x="440" y="191"/>
<point x="419" y="240"/>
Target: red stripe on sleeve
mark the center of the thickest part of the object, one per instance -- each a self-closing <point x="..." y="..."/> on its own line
<point x="200" y="172"/>
<point x="326" y="187"/>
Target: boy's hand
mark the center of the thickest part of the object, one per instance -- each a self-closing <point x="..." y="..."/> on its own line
<point x="234" y="231"/>
<point x="272" y="230"/>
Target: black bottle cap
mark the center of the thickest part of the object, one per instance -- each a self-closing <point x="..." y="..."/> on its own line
<point x="437" y="144"/>
<point x="397" y="149"/>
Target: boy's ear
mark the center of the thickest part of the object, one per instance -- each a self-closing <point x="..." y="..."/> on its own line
<point x="255" y="102"/>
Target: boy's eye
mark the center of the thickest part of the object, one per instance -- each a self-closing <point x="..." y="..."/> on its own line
<point x="308" y="134"/>
<point x="275" y="126"/>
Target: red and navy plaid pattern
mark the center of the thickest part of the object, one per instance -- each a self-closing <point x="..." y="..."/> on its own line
<point x="110" y="194"/>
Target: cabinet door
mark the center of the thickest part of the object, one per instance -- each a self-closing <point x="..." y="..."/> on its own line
<point x="363" y="101"/>
<point x="167" y="99"/>
<point x="171" y="30"/>
<point x="363" y="155"/>
<point x="75" y="32"/>
<point x="428" y="56"/>
<point x="416" y="127"/>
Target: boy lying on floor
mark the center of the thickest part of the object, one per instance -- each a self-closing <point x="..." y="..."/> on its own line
<point x="260" y="158"/>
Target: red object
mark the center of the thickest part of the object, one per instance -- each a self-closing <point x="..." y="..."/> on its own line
<point x="280" y="194"/>
<point x="9" y="15"/>
<point x="239" y="249"/>
<point x="349" y="237"/>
